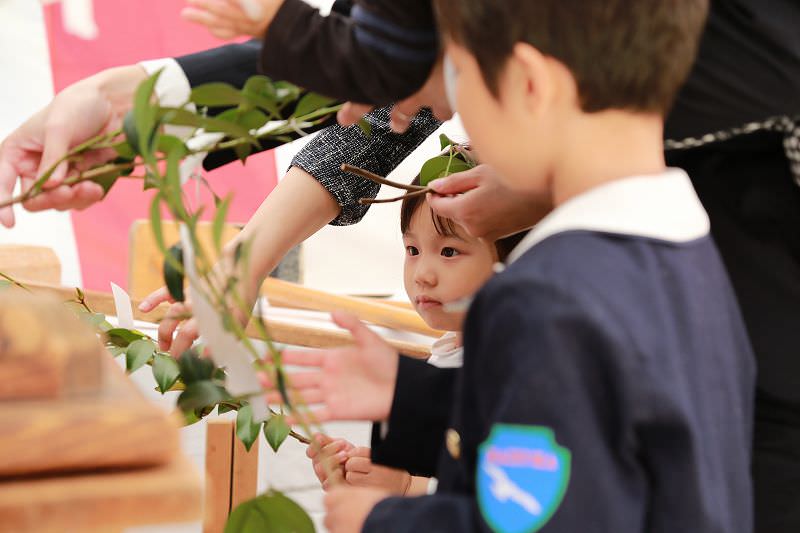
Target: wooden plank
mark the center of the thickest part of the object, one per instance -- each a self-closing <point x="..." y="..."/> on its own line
<point x="114" y="428"/>
<point x="219" y="463"/>
<point x="101" y="501"/>
<point x="46" y="350"/>
<point x="281" y="331"/>
<point x="24" y="262"/>
<point x="146" y="266"/>
<point x="244" y="481"/>
<point x="284" y="293"/>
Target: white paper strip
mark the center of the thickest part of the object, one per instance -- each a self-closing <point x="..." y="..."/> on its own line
<point x="122" y="302"/>
<point x="226" y="350"/>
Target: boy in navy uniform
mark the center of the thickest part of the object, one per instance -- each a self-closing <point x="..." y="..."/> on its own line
<point x="607" y="379"/>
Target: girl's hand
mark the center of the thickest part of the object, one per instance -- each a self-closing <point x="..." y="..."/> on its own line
<point x="227" y="19"/>
<point x="328" y="457"/>
<point x="359" y="471"/>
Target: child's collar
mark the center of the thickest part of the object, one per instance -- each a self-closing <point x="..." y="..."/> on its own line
<point x="663" y="207"/>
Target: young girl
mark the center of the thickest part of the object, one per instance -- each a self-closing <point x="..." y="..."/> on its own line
<point x="444" y="266"/>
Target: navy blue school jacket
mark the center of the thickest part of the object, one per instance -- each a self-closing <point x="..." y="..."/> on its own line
<point x="607" y="382"/>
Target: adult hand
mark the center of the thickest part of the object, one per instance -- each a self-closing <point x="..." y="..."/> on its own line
<point x="87" y="108"/>
<point x="431" y="95"/>
<point x="177" y="314"/>
<point x="477" y="200"/>
<point x="347" y="508"/>
<point x="226" y="19"/>
<point x="350" y="383"/>
<point x="359" y="471"/>
<point x="328" y="457"/>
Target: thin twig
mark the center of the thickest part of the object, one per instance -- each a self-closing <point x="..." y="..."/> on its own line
<point x="378" y="179"/>
<point x="13" y="281"/>
<point x="414" y="194"/>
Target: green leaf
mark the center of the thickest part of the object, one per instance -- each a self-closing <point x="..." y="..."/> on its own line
<point x="201" y="394"/>
<point x="138" y="354"/>
<point x="173" y="277"/>
<point x="246" y="429"/>
<point x="107" y="180"/>
<point x="216" y="94"/>
<point x="286" y="92"/>
<point x="182" y="117"/>
<point x="366" y="127"/>
<point x="165" y="371"/>
<point x="312" y="102"/>
<point x="131" y="133"/>
<point x="124" y="337"/>
<point x="224" y="408"/>
<point x="441" y="166"/>
<point x="116" y="351"/>
<point x="243" y="152"/>
<point x="155" y="223"/>
<point x="281" y="382"/>
<point x="273" y="512"/>
<point x="144" y="116"/>
<point x="194" y="368"/>
<point x="124" y="151"/>
<point x="276" y="430"/>
<point x="444" y="141"/>
<point x="259" y="92"/>
<point x="218" y="225"/>
<point x="168" y="143"/>
<point x="250" y="119"/>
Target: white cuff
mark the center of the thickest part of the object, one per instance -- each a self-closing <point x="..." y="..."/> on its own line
<point x="172" y="88"/>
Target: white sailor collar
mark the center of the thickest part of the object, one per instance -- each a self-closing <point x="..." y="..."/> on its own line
<point x="663" y="206"/>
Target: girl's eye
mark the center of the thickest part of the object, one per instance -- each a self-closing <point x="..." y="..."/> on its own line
<point x="412" y="250"/>
<point x="449" y="252"/>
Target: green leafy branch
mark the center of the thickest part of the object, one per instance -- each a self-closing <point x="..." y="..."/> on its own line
<point x="455" y="159"/>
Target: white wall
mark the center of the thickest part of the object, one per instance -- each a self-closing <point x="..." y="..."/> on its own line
<point x="27" y="86"/>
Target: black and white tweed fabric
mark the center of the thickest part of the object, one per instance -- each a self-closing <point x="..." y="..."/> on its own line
<point x="380" y="153"/>
<point x="789" y="126"/>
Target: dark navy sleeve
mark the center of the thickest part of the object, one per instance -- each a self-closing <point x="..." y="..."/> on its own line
<point x="421" y="407"/>
<point x="543" y="412"/>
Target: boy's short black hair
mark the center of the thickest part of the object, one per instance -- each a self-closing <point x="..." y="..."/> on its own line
<point x="623" y="54"/>
<point x="447" y="227"/>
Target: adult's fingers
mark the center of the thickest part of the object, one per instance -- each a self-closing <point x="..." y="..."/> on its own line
<point x="318" y="441"/>
<point x="352" y="112"/>
<point x="361" y="451"/>
<point x="356" y="478"/>
<point x="457" y="183"/>
<point x="57" y="140"/>
<point x="169" y="323"/>
<point x="152" y="300"/>
<point x="402" y="115"/>
<point x="186" y="336"/>
<point x="8" y="180"/>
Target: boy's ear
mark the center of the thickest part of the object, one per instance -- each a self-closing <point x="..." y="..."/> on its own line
<point x="532" y="77"/>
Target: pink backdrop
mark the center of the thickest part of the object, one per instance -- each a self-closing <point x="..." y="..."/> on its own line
<point x="129" y="32"/>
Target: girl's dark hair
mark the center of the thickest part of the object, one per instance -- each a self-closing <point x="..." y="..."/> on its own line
<point x="446" y="227"/>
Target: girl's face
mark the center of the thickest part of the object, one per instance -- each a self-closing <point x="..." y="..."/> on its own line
<point x="442" y="269"/>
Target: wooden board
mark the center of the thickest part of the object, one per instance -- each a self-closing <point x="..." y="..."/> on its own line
<point x="282" y="332"/>
<point x="30" y="263"/>
<point x="115" y="427"/>
<point x="219" y="460"/>
<point x="101" y="501"/>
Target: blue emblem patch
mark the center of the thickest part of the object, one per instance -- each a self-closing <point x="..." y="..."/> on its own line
<point x="522" y="477"/>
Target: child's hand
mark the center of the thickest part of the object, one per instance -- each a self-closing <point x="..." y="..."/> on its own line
<point x="227" y="19"/>
<point x="360" y="472"/>
<point x="347" y="508"/>
<point x="350" y="383"/>
<point x="328" y="457"/>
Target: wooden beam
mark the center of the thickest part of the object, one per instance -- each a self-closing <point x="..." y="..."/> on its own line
<point x="219" y="458"/>
<point x="280" y="331"/>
